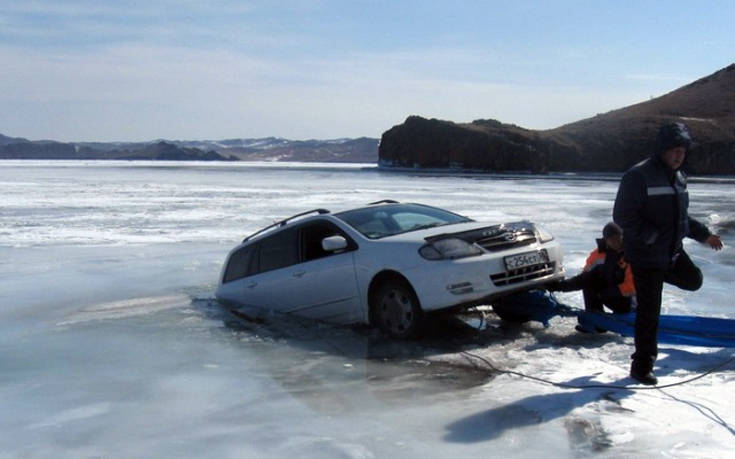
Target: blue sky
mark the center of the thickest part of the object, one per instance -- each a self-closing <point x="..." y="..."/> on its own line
<point x="83" y="70"/>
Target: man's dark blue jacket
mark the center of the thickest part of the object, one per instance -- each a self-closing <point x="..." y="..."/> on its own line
<point x="652" y="208"/>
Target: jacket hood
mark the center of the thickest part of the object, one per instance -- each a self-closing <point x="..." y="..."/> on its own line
<point x="673" y="135"/>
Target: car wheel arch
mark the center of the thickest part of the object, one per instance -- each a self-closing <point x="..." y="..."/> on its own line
<point x="378" y="280"/>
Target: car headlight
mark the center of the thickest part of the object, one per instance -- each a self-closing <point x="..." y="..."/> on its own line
<point x="449" y="248"/>
<point x="542" y="235"/>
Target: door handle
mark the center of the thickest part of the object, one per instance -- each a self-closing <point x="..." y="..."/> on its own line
<point x="252" y="285"/>
<point x="298" y="273"/>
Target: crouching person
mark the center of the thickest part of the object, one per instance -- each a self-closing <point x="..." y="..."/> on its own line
<point x="606" y="279"/>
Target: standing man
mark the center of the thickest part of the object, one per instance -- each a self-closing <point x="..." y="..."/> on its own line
<point x="651" y="207"/>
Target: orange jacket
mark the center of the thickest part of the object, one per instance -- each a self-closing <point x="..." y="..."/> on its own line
<point x="599" y="257"/>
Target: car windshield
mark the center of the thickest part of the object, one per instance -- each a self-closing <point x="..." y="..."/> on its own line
<point x="386" y="220"/>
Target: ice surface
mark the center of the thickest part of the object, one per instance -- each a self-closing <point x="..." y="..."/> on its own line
<point x="111" y="344"/>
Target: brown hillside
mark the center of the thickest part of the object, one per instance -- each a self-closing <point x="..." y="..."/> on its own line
<point x="609" y="142"/>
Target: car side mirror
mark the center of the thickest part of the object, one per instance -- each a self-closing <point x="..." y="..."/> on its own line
<point x="334" y="243"/>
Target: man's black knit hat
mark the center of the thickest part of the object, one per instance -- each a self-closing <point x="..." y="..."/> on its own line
<point x="611" y="229"/>
<point x="673" y="135"/>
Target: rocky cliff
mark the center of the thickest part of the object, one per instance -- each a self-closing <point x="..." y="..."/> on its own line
<point x="610" y="142"/>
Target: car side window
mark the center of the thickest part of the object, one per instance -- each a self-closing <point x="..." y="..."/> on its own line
<point x="279" y="250"/>
<point x="241" y="264"/>
<point x="312" y="236"/>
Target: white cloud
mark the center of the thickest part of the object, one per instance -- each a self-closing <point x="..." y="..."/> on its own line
<point x="74" y="25"/>
<point x="139" y="92"/>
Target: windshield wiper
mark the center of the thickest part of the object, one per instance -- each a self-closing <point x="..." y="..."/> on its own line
<point x="426" y="226"/>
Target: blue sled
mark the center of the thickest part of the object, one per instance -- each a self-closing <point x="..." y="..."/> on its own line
<point x="540" y="306"/>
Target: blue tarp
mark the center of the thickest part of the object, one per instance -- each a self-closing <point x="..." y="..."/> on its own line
<point x="672" y="329"/>
<point x="540" y="306"/>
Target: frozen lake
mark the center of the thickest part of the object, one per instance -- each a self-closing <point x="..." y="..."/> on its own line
<point x="111" y="344"/>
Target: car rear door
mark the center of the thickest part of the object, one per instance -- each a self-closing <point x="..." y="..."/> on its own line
<point x="271" y="287"/>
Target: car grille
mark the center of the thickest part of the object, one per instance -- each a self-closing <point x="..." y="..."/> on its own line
<point x="498" y="237"/>
<point x="516" y="276"/>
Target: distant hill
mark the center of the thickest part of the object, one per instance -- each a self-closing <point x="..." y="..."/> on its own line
<point x="4" y="140"/>
<point x="360" y="150"/>
<point x="25" y="149"/>
<point x="265" y="149"/>
<point x="164" y="151"/>
<point x="610" y="142"/>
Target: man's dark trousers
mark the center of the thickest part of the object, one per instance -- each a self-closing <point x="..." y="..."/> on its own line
<point x="597" y="291"/>
<point x="648" y="285"/>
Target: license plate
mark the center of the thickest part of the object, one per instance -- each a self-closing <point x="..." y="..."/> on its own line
<point x="526" y="259"/>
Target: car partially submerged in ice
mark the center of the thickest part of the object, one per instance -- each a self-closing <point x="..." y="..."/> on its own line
<point x="386" y="264"/>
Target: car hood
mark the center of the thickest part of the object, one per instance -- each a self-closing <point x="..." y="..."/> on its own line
<point x="468" y="231"/>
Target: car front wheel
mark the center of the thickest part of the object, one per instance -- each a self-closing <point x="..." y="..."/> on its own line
<point x="397" y="310"/>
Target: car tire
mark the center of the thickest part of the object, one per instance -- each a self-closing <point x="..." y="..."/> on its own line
<point x="506" y="313"/>
<point x="397" y="310"/>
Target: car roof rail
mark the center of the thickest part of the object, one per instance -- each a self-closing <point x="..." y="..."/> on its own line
<point x="383" y="201"/>
<point x="286" y="220"/>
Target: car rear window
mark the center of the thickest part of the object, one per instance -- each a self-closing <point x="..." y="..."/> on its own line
<point x="241" y="264"/>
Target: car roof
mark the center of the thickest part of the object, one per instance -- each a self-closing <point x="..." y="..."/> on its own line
<point x="300" y="215"/>
<point x="285" y="221"/>
<point x="324" y="212"/>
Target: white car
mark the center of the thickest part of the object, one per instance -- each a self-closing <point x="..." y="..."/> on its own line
<point x="385" y="264"/>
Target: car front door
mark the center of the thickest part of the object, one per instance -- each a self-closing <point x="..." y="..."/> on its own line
<point x="324" y="285"/>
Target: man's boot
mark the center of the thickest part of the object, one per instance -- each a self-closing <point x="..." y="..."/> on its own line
<point x="643" y="374"/>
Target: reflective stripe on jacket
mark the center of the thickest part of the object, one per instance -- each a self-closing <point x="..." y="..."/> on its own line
<point x="652" y="208"/>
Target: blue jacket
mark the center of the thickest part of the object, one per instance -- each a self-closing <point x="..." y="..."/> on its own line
<point x="652" y="208"/>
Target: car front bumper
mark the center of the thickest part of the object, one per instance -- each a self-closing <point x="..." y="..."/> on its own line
<point x="478" y="280"/>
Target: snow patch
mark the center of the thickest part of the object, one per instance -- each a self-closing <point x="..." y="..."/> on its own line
<point x="126" y="308"/>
